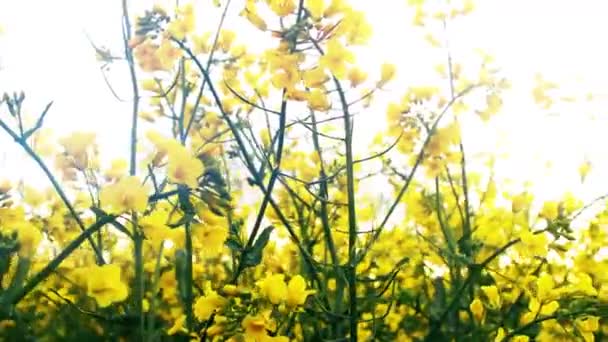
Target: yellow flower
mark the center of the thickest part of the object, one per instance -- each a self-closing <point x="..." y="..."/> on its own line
<point x="317" y="100"/>
<point x="5" y="186"/>
<point x="544" y="286"/>
<point x="387" y="73"/>
<point x="282" y="8"/>
<point x="250" y="12"/>
<point x="184" y="168"/>
<point x="255" y="328"/>
<point x="316" y="8"/>
<point x="284" y="78"/>
<point x="32" y="196"/>
<point x="154" y="226"/>
<point x="493" y="296"/>
<point x="519" y="202"/>
<point x="117" y="170"/>
<point x="550" y="210"/>
<point x="274" y="288"/>
<point x="533" y="244"/>
<point x="77" y="145"/>
<point x="493" y="106"/>
<point x="105" y="286"/>
<point x="180" y="28"/>
<point x="584" y="169"/>
<point x="296" y="291"/>
<point x="201" y="43"/>
<point x="167" y="54"/>
<point x="314" y="78"/>
<point x="178" y="326"/>
<point x="540" y="91"/>
<point x="212" y="237"/>
<point x="588" y="323"/>
<point x="207" y="305"/>
<point x="500" y="335"/>
<point x="7" y="323"/>
<point x="128" y="194"/>
<point x="335" y="58"/>
<point x="335" y="7"/>
<point x="544" y="309"/>
<point x="226" y="39"/>
<point x="477" y="309"/>
<point x="29" y="239"/>
<point x="354" y="27"/>
<point x="356" y="76"/>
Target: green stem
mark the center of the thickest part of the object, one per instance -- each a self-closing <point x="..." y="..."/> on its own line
<point x="329" y="241"/>
<point x="138" y="241"/>
<point x="189" y="296"/>
<point x="202" y="87"/>
<point x="249" y="163"/>
<point x="56" y="186"/>
<point x="408" y="181"/>
<point x="52" y="266"/>
<point x="352" y="214"/>
<point x="126" y="33"/>
<point x="154" y="293"/>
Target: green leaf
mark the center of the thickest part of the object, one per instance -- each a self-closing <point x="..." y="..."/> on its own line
<point x="23" y="267"/>
<point x="188" y="217"/>
<point x="233" y="244"/>
<point x="253" y="256"/>
<point x="180" y="273"/>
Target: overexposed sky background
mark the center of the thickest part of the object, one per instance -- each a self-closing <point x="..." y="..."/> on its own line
<point x="44" y="51"/>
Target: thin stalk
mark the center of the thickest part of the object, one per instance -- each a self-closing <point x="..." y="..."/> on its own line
<point x="352" y="214"/>
<point x="155" y="282"/>
<point x="56" y="186"/>
<point x="466" y="229"/>
<point x="408" y="181"/>
<point x="189" y="296"/>
<point x="53" y="264"/>
<point x="126" y="33"/>
<point x="138" y="289"/>
<point x="323" y="194"/>
<point x="249" y="163"/>
<point x="202" y="87"/>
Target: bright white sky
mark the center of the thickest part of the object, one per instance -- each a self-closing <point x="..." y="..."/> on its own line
<point x="44" y="51"/>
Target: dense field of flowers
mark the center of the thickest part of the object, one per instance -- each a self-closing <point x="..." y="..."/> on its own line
<point x="244" y="212"/>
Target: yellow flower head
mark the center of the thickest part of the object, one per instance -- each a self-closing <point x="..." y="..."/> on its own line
<point x="212" y="238"/>
<point x="29" y="239"/>
<point x="205" y="306"/>
<point x="250" y="13"/>
<point x="274" y="288"/>
<point x="588" y="323"/>
<point x="491" y="292"/>
<point x="105" y="286"/>
<point x="296" y="291"/>
<point x="317" y="100"/>
<point x="336" y="58"/>
<point x="316" y="8"/>
<point x="183" y="168"/>
<point x="78" y="146"/>
<point x="128" y="194"/>
<point x="477" y="309"/>
<point x="255" y="328"/>
<point x="356" y="76"/>
<point x="550" y="210"/>
<point x="387" y="73"/>
<point x="282" y="8"/>
<point x="314" y="78"/>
